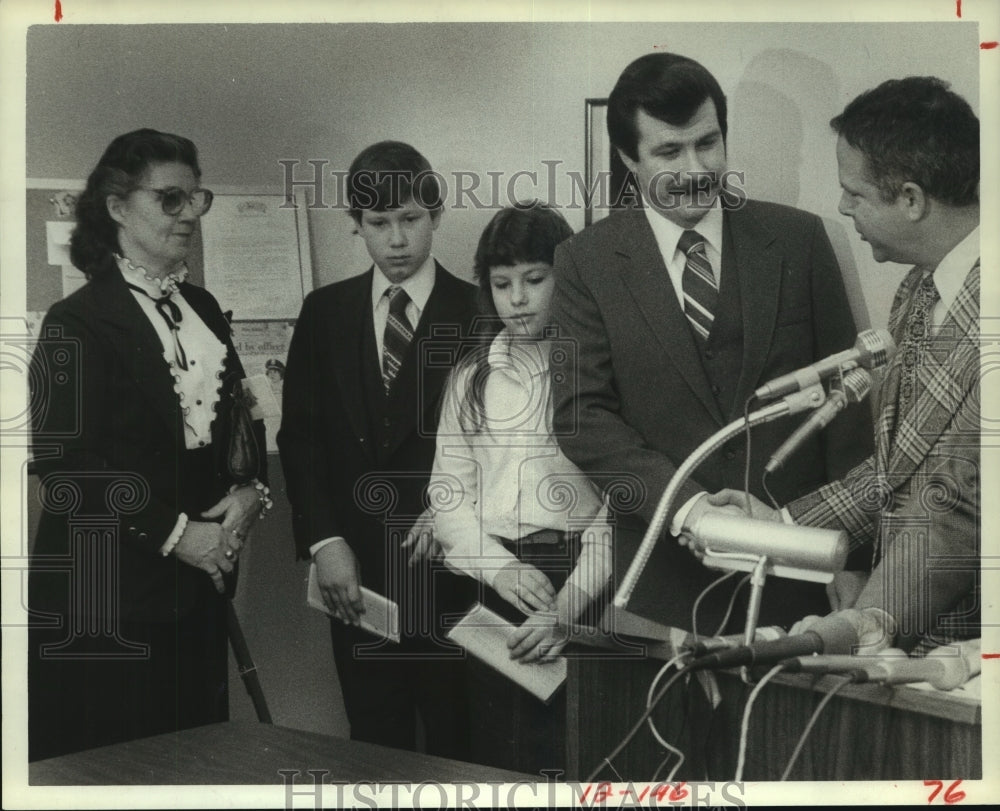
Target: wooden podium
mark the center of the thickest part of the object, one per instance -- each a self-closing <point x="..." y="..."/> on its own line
<point x="866" y="732"/>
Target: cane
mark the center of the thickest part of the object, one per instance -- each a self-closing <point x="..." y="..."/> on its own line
<point x="248" y="670"/>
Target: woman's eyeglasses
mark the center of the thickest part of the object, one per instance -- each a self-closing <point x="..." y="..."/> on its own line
<point x="174" y="199"/>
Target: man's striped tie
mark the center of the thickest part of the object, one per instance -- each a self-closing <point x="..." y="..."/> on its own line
<point x="397" y="335"/>
<point x="701" y="290"/>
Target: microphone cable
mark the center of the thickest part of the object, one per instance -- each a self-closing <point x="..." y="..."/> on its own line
<point x="651" y="705"/>
<point x="745" y="725"/>
<point x="653" y="701"/>
<point x="673" y="771"/>
<point x="732" y="602"/>
<point x="697" y="602"/>
<point x="749" y="442"/>
<point x="767" y="490"/>
<point x="842" y="682"/>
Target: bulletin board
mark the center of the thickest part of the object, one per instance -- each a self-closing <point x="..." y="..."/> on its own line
<point x="252" y="235"/>
<point x="49" y="205"/>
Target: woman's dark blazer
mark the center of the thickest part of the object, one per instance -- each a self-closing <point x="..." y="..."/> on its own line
<point x="109" y="449"/>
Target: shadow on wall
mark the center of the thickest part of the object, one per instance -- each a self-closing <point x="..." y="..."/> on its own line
<point x="774" y="171"/>
<point x="773" y="156"/>
<point x="809" y="95"/>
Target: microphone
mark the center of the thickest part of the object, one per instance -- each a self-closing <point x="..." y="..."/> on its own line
<point x="796" y="402"/>
<point x="856" y="385"/>
<point x="944" y="668"/>
<point x="830" y="634"/>
<point x="715" y="643"/>
<point x="797" y="547"/>
<point x="873" y="348"/>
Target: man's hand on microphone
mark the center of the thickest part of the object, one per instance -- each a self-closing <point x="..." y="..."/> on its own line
<point x="701" y="506"/>
<point x="747" y="504"/>
<point x="875" y="628"/>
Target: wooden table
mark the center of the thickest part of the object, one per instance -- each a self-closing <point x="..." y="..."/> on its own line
<point x="251" y="754"/>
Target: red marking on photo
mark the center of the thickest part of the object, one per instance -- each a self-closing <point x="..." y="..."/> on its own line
<point x="58" y="11"/>
<point x="988" y="46"/>
<point x="958" y="7"/>
<point x="991" y="655"/>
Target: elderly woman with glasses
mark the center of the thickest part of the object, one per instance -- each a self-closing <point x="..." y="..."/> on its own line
<point x="143" y="514"/>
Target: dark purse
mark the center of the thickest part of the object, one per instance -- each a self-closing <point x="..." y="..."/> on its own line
<point x="243" y="459"/>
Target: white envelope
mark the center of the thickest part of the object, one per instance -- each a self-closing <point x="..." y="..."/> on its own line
<point x="381" y="616"/>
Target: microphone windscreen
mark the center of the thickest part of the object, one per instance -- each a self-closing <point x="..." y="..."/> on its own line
<point x="875" y="347"/>
<point x="838" y="634"/>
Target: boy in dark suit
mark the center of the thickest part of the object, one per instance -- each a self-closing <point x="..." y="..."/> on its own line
<point x="361" y="394"/>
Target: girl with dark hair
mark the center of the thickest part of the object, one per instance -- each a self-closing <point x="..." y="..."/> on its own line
<point x="143" y="511"/>
<point x="510" y="509"/>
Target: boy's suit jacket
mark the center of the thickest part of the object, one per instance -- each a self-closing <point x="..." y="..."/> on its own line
<point x="636" y="400"/>
<point x="347" y="476"/>
<point x="917" y="497"/>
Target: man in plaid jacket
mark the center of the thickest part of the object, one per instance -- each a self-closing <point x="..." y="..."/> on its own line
<point x="908" y="159"/>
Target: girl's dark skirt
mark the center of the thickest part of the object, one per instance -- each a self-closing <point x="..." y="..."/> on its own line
<point x="512" y="729"/>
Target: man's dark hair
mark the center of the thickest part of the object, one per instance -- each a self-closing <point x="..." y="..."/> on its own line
<point x="666" y="86"/>
<point x="388" y="175"/>
<point x="915" y="130"/>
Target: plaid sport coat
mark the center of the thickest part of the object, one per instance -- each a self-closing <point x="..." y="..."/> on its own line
<point x="917" y="498"/>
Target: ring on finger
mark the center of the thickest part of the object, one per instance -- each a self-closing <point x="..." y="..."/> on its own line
<point x="230" y="554"/>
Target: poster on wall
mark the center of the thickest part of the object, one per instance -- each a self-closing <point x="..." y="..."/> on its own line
<point x="263" y="348"/>
<point x="57" y="234"/>
<point x="256" y="256"/>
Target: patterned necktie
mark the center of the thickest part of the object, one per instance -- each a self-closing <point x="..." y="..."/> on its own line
<point x="701" y="291"/>
<point x="171" y="313"/>
<point x="915" y="336"/>
<point x="397" y="335"/>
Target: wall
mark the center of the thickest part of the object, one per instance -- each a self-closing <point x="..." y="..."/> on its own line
<point x="473" y="98"/>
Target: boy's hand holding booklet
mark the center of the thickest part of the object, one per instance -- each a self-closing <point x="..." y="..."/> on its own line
<point x="380" y="617"/>
<point x="484" y="634"/>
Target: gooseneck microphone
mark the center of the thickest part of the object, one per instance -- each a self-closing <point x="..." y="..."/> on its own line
<point x="856" y="385"/>
<point x="873" y="348"/>
<point x="830" y="634"/>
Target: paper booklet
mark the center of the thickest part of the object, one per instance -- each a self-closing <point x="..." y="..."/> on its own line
<point x="381" y="615"/>
<point x="484" y="634"/>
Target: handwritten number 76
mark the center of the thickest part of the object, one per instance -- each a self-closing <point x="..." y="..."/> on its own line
<point x="951" y="795"/>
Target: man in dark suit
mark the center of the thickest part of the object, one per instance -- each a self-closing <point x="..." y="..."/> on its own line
<point x="908" y="159"/>
<point x="364" y="376"/>
<point x="679" y="310"/>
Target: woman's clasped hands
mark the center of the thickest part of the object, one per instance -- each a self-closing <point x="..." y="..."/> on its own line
<point x="214" y="547"/>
